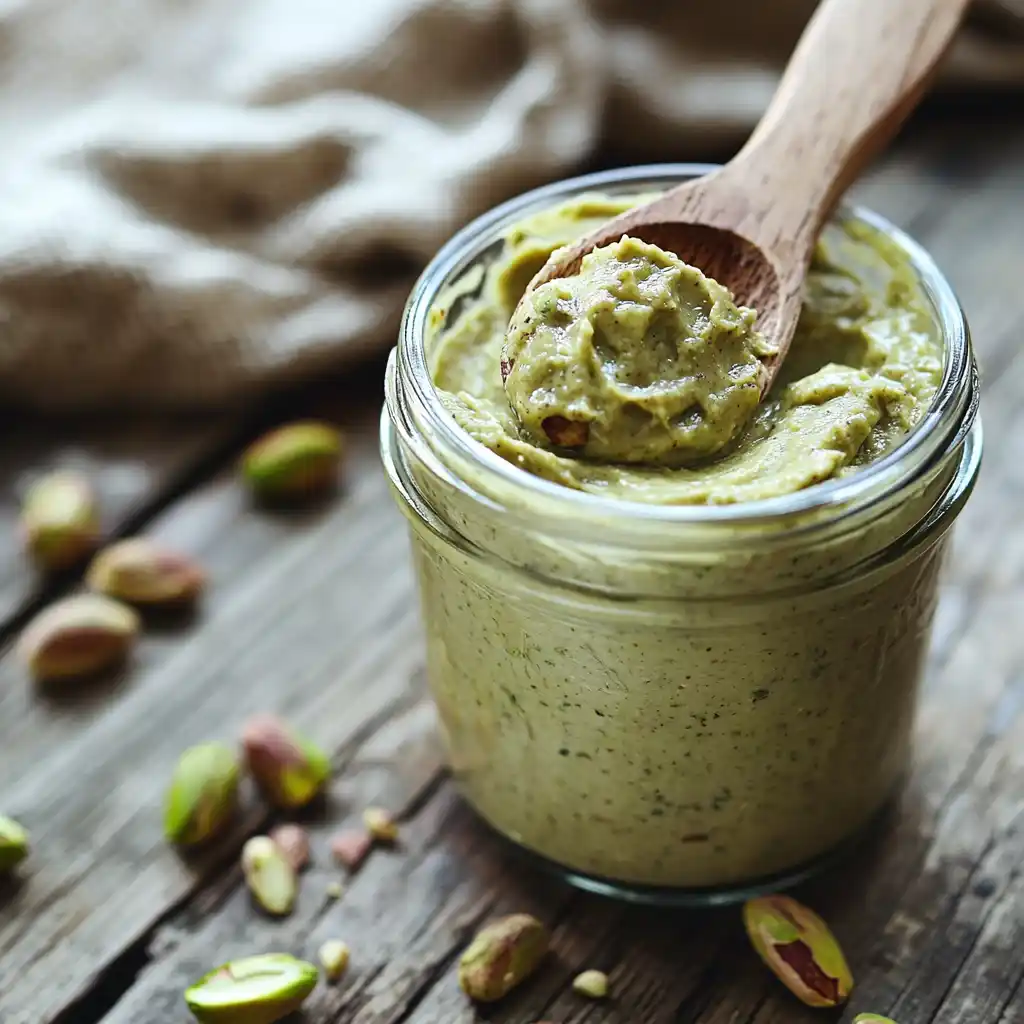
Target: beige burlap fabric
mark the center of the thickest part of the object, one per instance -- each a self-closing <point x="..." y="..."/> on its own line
<point x="202" y="198"/>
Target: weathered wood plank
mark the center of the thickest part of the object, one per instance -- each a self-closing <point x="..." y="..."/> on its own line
<point x="131" y="468"/>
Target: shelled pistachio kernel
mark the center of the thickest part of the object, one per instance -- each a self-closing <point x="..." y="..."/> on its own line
<point x="289" y="769"/>
<point x="203" y="795"/>
<point x="295" y="461"/>
<point x="60" y="520"/>
<point x="254" y="990"/>
<point x="269" y="875"/>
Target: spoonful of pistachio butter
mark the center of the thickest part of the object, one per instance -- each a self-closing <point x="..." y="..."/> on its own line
<point x="639" y="377"/>
<point x="637" y="358"/>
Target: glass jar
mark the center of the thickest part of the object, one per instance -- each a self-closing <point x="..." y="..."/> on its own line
<point x="683" y="704"/>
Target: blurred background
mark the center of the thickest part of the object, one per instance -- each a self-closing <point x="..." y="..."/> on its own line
<point x="203" y="199"/>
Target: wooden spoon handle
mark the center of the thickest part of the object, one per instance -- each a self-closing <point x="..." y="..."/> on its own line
<point x="857" y="72"/>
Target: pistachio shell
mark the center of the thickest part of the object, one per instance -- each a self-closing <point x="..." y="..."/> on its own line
<point x="253" y="990"/>
<point x="289" y="769"/>
<point x="59" y="520"/>
<point x="142" y="572"/>
<point x="797" y="945"/>
<point x="78" y="636"/>
<point x="13" y="843"/>
<point x="294" y="461"/>
<point x="502" y="956"/>
<point x="203" y="794"/>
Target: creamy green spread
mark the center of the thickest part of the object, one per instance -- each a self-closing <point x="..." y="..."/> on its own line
<point x="638" y="378"/>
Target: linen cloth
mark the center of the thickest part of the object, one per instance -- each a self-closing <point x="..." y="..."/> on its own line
<point x="203" y="198"/>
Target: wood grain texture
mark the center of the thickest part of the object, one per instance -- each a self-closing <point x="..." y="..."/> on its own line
<point x="314" y="615"/>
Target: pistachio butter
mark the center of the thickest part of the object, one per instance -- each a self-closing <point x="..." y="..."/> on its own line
<point x="861" y="371"/>
<point x="644" y="697"/>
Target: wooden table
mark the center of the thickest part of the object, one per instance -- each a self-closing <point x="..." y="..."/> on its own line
<point x="315" y="615"/>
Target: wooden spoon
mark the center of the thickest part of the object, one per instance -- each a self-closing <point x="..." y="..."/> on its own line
<point x="858" y="70"/>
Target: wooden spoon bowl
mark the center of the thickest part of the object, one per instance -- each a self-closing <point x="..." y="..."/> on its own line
<point x="859" y="69"/>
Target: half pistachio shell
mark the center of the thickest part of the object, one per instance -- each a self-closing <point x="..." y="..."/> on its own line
<point x="253" y="990"/>
<point x="798" y="946"/>
<point x="203" y="794"/>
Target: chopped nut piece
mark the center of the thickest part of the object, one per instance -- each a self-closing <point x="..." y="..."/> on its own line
<point x="335" y="890"/>
<point x="350" y="848"/>
<point x="334" y="957"/>
<point x="593" y="984"/>
<point x="380" y="824"/>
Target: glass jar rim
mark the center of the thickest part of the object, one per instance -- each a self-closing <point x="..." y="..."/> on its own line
<point x="943" y="427"/>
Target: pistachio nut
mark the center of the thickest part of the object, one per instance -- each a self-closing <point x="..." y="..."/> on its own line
<point x="872" y="1018"/>
<point x="254" y="990"/>
<point x="78" y="636"/>
<point x="289" y="769"/>
<point x="59" y="520"/>
<point x="13" y="843"/>
<point x="797" y="945"/>
<point x="380" y="825"/>
<point x="293" y="842"/>
<point x="503" y="954"/>
<point x="335" y="890"/>
<point x="350" y="848"/>
<point x="592" y="984"/>
<point x="269" y="875"/>
<point x="334" y="957"/>
<point x="140" y="571"/>
<point x="203" y="794"/>
<point x="294" y="461"/>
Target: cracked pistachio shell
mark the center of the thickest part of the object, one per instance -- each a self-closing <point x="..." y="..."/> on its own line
<point x="797" y="945"/>
<point x="503" y="955"/>
<point x="253" y="990"/>
<point x="59" y="520"/>
<point x="78" y="636"/>
<point x="142" y="572"/>
<point x="294" y="461"/>
<point x="13" y="843"/>
<point x="203" y="794"/>
<point x="289" y="769"/>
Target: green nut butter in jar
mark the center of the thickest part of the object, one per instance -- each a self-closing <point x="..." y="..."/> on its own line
<point x="677" y="678"/>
